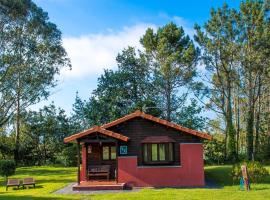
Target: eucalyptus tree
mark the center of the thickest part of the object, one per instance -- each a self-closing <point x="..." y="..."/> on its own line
<point x="217" y="41"/>
<point x="173" y="57"/>
<point x="6" y="99"/>
<point x="33" y="55"/>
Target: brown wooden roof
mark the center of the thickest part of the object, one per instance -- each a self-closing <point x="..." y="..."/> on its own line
<point x="96" y="129"/>
<point x="141" y="114"/>
<point x="137" y="113"/>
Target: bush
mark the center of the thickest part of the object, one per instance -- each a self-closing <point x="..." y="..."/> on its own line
<point x="214" y="151"/>
<point x="7" y="168"/>
<point x="68" y="156"/>
<point x="256" y="171"/>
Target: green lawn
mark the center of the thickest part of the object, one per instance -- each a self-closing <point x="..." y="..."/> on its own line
<point x="52" y="178"/>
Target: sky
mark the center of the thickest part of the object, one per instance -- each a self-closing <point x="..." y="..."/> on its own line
<point x="95" y="31"/>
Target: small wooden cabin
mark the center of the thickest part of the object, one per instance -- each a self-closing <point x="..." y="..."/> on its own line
<point x="140" y="150"/>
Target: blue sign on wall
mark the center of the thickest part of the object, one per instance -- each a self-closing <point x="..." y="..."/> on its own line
<point x="123" y="150"/>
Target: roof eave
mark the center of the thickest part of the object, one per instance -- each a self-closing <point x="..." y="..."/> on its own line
<point x="93" y="130"/>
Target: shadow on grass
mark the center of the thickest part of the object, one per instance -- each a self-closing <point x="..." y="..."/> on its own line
<point x="221" y="176"/>
<point x="209" y="184"/>
<point x="258" y="189"/>
<point x="32" y="187"/>
<point x="15" y="188"/>
<point x="44" y="181"/>
<point x="59" y="180"/>
<point x="42" y="172"/>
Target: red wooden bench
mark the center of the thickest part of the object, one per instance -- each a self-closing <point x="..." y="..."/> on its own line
<point x="12" y="183"/>
<point x="99" y="170"/>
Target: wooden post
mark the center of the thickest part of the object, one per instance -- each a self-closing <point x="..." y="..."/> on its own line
<point x="86" y="164"/>
<point x="78" y="162"/>
<point x="245" y="177"/>
<point x="116" y="163"/>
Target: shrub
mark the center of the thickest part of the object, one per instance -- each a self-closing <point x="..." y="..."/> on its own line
<point x="214" y="151"/>
<point x="68" y="156"/>
<point x="7" y="168"/>
<point x="256" y="171"/>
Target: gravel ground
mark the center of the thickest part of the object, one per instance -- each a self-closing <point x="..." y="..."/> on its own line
<point x="68" y="190"/>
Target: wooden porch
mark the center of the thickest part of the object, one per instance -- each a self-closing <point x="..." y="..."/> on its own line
<point x="97" y="155"/>
<point x="99" y="185"/>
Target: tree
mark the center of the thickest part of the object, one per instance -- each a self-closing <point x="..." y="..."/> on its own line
<point x="119" y="92"/>
<point x="6" y="146"/>
<point x="235" y="46"/>
<point x="219" y="54"/>
<point x="214" y="149"/>
<point x="43" y="133"/>
<point x="87" y="113"/>
<point x="131" y="82"/>
<point x="254" y="41"/>
<point x="6" y="99"/>
<point x="136" y="69"/>
<point x="137" y="84"/>
<point x="173" y="57"/>
<point x="189" y="116"/>
<point x="33" y="57"/>
<point x="7" y="168"/>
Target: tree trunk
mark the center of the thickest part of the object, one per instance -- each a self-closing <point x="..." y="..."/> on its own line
<point x="257" y="131"/>
<point x="168" y="101"/>
<point x="237" y="123"/>
<point x="18" y="105"/>
<point x="225" y="146"/>
<point x="237" y="117"/>
<point x="45" y="151"/>
<point x="229" y="122"/>
<point x="249" y="126"/>
<point x="17" y="129"/>
<point x="257" y="126"/>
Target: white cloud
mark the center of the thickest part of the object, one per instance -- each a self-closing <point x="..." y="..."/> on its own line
<point x="90" y="54"/>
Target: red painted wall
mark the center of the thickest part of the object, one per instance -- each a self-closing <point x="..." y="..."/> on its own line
<point x="190" y="173"/>
<point x="83" y="166"/>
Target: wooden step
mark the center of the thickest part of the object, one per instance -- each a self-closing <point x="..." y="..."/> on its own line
<point x="98" y="186"/>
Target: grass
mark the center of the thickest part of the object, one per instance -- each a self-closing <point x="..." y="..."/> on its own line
<point x="51" y="179"/>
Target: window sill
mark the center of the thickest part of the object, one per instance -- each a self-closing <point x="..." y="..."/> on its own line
<point x="109" y="160"/>
<point x="158" y="163"/>
<point x="159" y="166"/>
